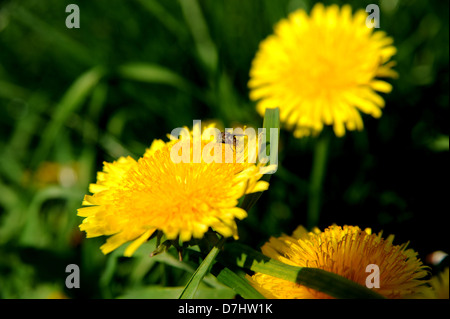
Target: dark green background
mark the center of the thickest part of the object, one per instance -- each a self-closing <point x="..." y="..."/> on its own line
<point x="162" y="65"/>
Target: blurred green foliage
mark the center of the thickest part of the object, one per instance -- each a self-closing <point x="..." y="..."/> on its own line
<point x="73" y="98"/>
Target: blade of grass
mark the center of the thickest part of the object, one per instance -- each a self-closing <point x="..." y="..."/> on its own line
<point x="239" y="284"/>
<point x="164" y="17"/>
<point x="56" y="39"/>
<point x="152" y="73"/>
<point x="29" y="126"/>
<point x="10" y="167"/>
<point x="12" y="91"/>
<point x="72" y="100"/>
<point x="34" y="232"/>
<point x="227" y="102"/>
<point x="271" y="120"/>
<point x="12" y="219"/>
<point x="318" y="279"/>
<point x="199" y="29"/>
<point x="192" y="286"/>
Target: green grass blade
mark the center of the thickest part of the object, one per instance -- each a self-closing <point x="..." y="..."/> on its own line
<point x="165" y="17"/>
<point x="10" y="168"/>
<point x="318" y="279"/>
<point x="12" y="91"/>
<point x="271" y="120"/>
<point x="195" y="20"/>
<point x="156" y="74"/>
<point x="239" y="284"/>
<point x="34" y="232"/>
<point x="56" y="39"/>
<point x="72" y="100"/>
<point x="192" y="286"/>
<point x="152" y="73"/>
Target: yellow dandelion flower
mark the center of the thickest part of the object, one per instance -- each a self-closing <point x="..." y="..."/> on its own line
<point x="346" y="251"/>
<point x="322" y="69"/>
<point x="133" y="199"/>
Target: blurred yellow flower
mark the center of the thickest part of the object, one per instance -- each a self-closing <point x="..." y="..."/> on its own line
<point x="133" y="199"/>
<point x="48" y="173"/>
<point x="322" y="69"/>
<point x="439" y="285"/>
<point x="345" y="251"/>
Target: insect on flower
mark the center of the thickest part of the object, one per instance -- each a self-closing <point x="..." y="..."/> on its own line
<point x="229" y="138"/>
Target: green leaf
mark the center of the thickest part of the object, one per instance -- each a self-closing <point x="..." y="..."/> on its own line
<point x="50" y="33"/>
<point x="72" y="100"/>
<point x="238" y="284"/>
<point x="202" y="270"/>
<point x="12" y="91"/>
<point x="318" y="279"/>
<point x="153" y="73"/>
<point x="199" y="29"/>
<point x="165" y="17"/>
<point x="34" y="232"/>
<point x="271" y="120"/>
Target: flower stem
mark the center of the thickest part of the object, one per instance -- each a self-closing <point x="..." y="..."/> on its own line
<point x="317" y="177"/>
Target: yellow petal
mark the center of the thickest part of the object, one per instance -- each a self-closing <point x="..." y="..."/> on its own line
<point x="381" y="86"/>
<point x="138" y="242"/>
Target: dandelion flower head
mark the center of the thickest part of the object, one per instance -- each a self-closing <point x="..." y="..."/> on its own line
<point x="131" y="200"/>
<point x="345" y="251"/>
<point x="322" y="69"/>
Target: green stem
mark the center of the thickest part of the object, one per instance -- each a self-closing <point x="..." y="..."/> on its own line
<point x="204" y="268"/>
<point x="317" y="177"/>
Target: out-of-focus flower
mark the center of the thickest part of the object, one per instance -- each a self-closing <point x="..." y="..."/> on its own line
<point x="439" y="285"/>
<point x="322" y="69"/>
<point x="49" y="173"/>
